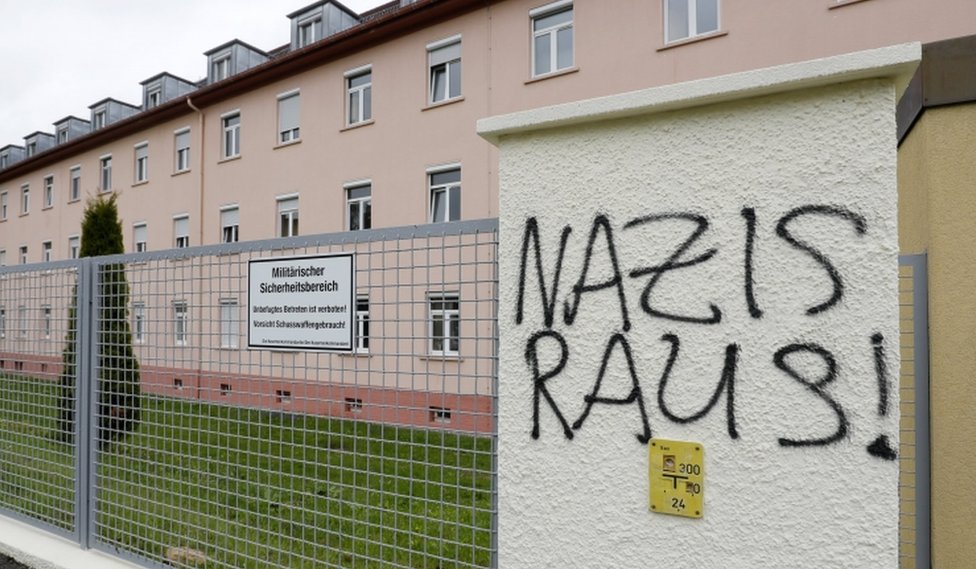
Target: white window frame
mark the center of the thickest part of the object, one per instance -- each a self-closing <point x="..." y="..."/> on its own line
<point x="74" y="184"/>
<point x="3" y="321"/>
<point x="181" y="231"/>
<point x="448" y="318"/>
<point x="692" y="23"/>
<point x="24" y="252"/>
<point x="142" y="162"/>
<point x="231" y="139"/>
<point x="230" y="319"/>
<point x="552" y="33"/>
<point x="287" y="216"/>
<point x="181" y="322"/>
<point x="31" y="148"/>
<point x="230" y="223"/>
<point x="3" y="257"/>
<point x="181" y="153"/>
<point x="445" y="188"/>
<point x="62" y="135"/>
<point x="154" y="97"/>
<point x="48" y="191"/>
<point x="360" y="203"/>
<point x="74" y="246"/>
<point x="438" y="62"/>
<point x="105" y="172"/>
<point x="289" y="131"/>
<point x="4" y="204"/>
<point x="47" y="251"/>
<point x="99" y="118"/>
<point x="140" y="245"/>
<point x="25" y="199"/>
<point x="309" y="30"/>
<point x="139" y="322"/>
<point x="220" y="67"/>
<point x="359" y="98"/>
<point x="362" y="324"/>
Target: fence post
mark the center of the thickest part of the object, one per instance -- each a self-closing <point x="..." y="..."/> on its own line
<point x="84" y="394"/>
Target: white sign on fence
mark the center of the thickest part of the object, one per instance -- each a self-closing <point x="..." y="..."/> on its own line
<point x="302" y="303"/>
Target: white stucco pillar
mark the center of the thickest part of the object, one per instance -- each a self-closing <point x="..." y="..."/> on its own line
<point x="712" y="262"/>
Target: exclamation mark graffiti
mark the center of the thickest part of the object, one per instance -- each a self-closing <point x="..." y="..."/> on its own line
<point x="881" y="447"/>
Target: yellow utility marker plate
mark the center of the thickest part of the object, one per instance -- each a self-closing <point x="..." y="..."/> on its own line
<point x="677" y="477"/>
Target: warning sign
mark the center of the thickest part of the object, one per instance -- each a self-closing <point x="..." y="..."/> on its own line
<point x="302" y="303"/>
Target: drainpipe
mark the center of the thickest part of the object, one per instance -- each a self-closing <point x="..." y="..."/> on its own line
<point x="200" y="190"/>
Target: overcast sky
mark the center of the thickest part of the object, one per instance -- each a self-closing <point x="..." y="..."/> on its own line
<point x="59" y="56"/>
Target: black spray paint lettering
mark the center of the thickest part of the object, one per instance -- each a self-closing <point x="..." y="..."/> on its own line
<point x="817" y="386"/>
<point x="531" y="235"/>
<point x="540" y="379"/>
<point x="601" y="225"/>
<point x="749" y="214"/>
<point x="881" y="447"/>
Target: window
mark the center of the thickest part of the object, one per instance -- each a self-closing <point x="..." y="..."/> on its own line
<point x="685" y="19"/>
<point x="229" y="323"/>
<point x="359" y="99"/>
<point x="445" y="195"/>
<point x="74" y="247"/>
<point x="3" y="257"/>
<point x="31" y="149"/>
<point x="23" y="320"/>
<point x="49" y="191"/>
<point x="47" y="321"/>
<point x="362" y="324"/>
<point x="221" y="68"/>
<point x="25" y="199"/>
<point x="288" y="216"/>
<point x="3" y="161"/>
<point x="46" y="248"/>
<point x="182" y="144"/>
<point x="142" y="163"/>
<point x="62" y="135"/>
<point x="552" y="38"/>
<point x="140" y="236"/>
<point x="105" y="167"/>
<point x="3" y="205"/>
<point x="358" y="198"/>
<point x="139" y="322"/>
<point x="288" y="130"/>
<point x="309" y="31"/>
<point x="445" y="331"/>
<point x="444" y="61"/>
<point x="74" y="192"/>
<point x="181" y="232"/>
<point x="23" y="254"/>
<point x="98" y="119"/>
<point x="179" y="323"/>
<point x="232" y="135"/>
<point x="3" y="322"/>
<point x="154" y="97"/>
<point x="229" y="224"/>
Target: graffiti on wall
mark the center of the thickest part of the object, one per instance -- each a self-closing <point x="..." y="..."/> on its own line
<point x="545" y="288"/>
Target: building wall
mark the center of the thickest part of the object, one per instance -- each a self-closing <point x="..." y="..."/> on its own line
<point x="672" y="319"/>
<point x="936" y="204"/>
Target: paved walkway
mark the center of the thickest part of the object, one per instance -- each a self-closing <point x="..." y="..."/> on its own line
<point x="8" y="563"/>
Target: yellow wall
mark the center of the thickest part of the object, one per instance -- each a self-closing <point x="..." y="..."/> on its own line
<point x="937" y="203"/>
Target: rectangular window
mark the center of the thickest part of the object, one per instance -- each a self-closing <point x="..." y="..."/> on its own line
<point x="142" y="163"/>
<point x="359" y="96"/>
<point x="3" y="322"/>
<point x="23" y="254"/>
<point x="22" y="310"/>
<point x="98" y="120"/>
<point x="182" y="144"/>
<point x="181" y="232"/>
<point x="74" y="192"/>
<point x="359" y="206"/>
<point x="3" y="205"/>
<point x="3" y="161"/>
<point x="74" y="247"/>
<point x="46" y="250"/>
<point x="179" y="323"/>
<point x="445" y="195"/>
<point x="154" y="98"/>
<point x="62" y="135"/>
<point x="288" y="129"/>
<point x="287" y="217"/>
<point x="105" y="167"/>
<point x="362" y="324"/>
<point x="46" y="310"/>
<point x="309" y="31"/>
<point x="229" y="224"/>
<point x="31" y="149"/>
<point x="444" y="63"/>
<point x="139" y="322"/>
<point x="49" y="191"/>
<point x="229" y="323"/>
<point x="140" y="237"/>
<point x="684" y="19"/>
<point x="3" y="257"/>
<point x="445" y="327"/>
<point x="221" y="68"/>
<point x="552" y="38"/>
<point x="24" y="199"/>
<point x="232" y="135"/>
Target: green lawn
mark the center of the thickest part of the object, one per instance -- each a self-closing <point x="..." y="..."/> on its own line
<point x="251" y="488"/>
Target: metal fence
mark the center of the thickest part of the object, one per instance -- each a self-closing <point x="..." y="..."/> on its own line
<point x="137" y="420"/>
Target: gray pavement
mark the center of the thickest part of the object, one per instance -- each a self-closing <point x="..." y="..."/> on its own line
<point x="8" y="563"/>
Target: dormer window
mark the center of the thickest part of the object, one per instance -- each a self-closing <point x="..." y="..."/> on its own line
<point x="3" y="161"/>
<point x="31" y="149"/>
<point x="154" y="98"/>
<point x="99" y="118"/>
<point x="62" y="135"/>
<point x="221" y="68"/>
<point x="309" y="31"/>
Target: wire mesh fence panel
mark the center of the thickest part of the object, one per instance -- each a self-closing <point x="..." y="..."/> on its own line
<point x="38" y="454"/>
<point x="379" y="453"/>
